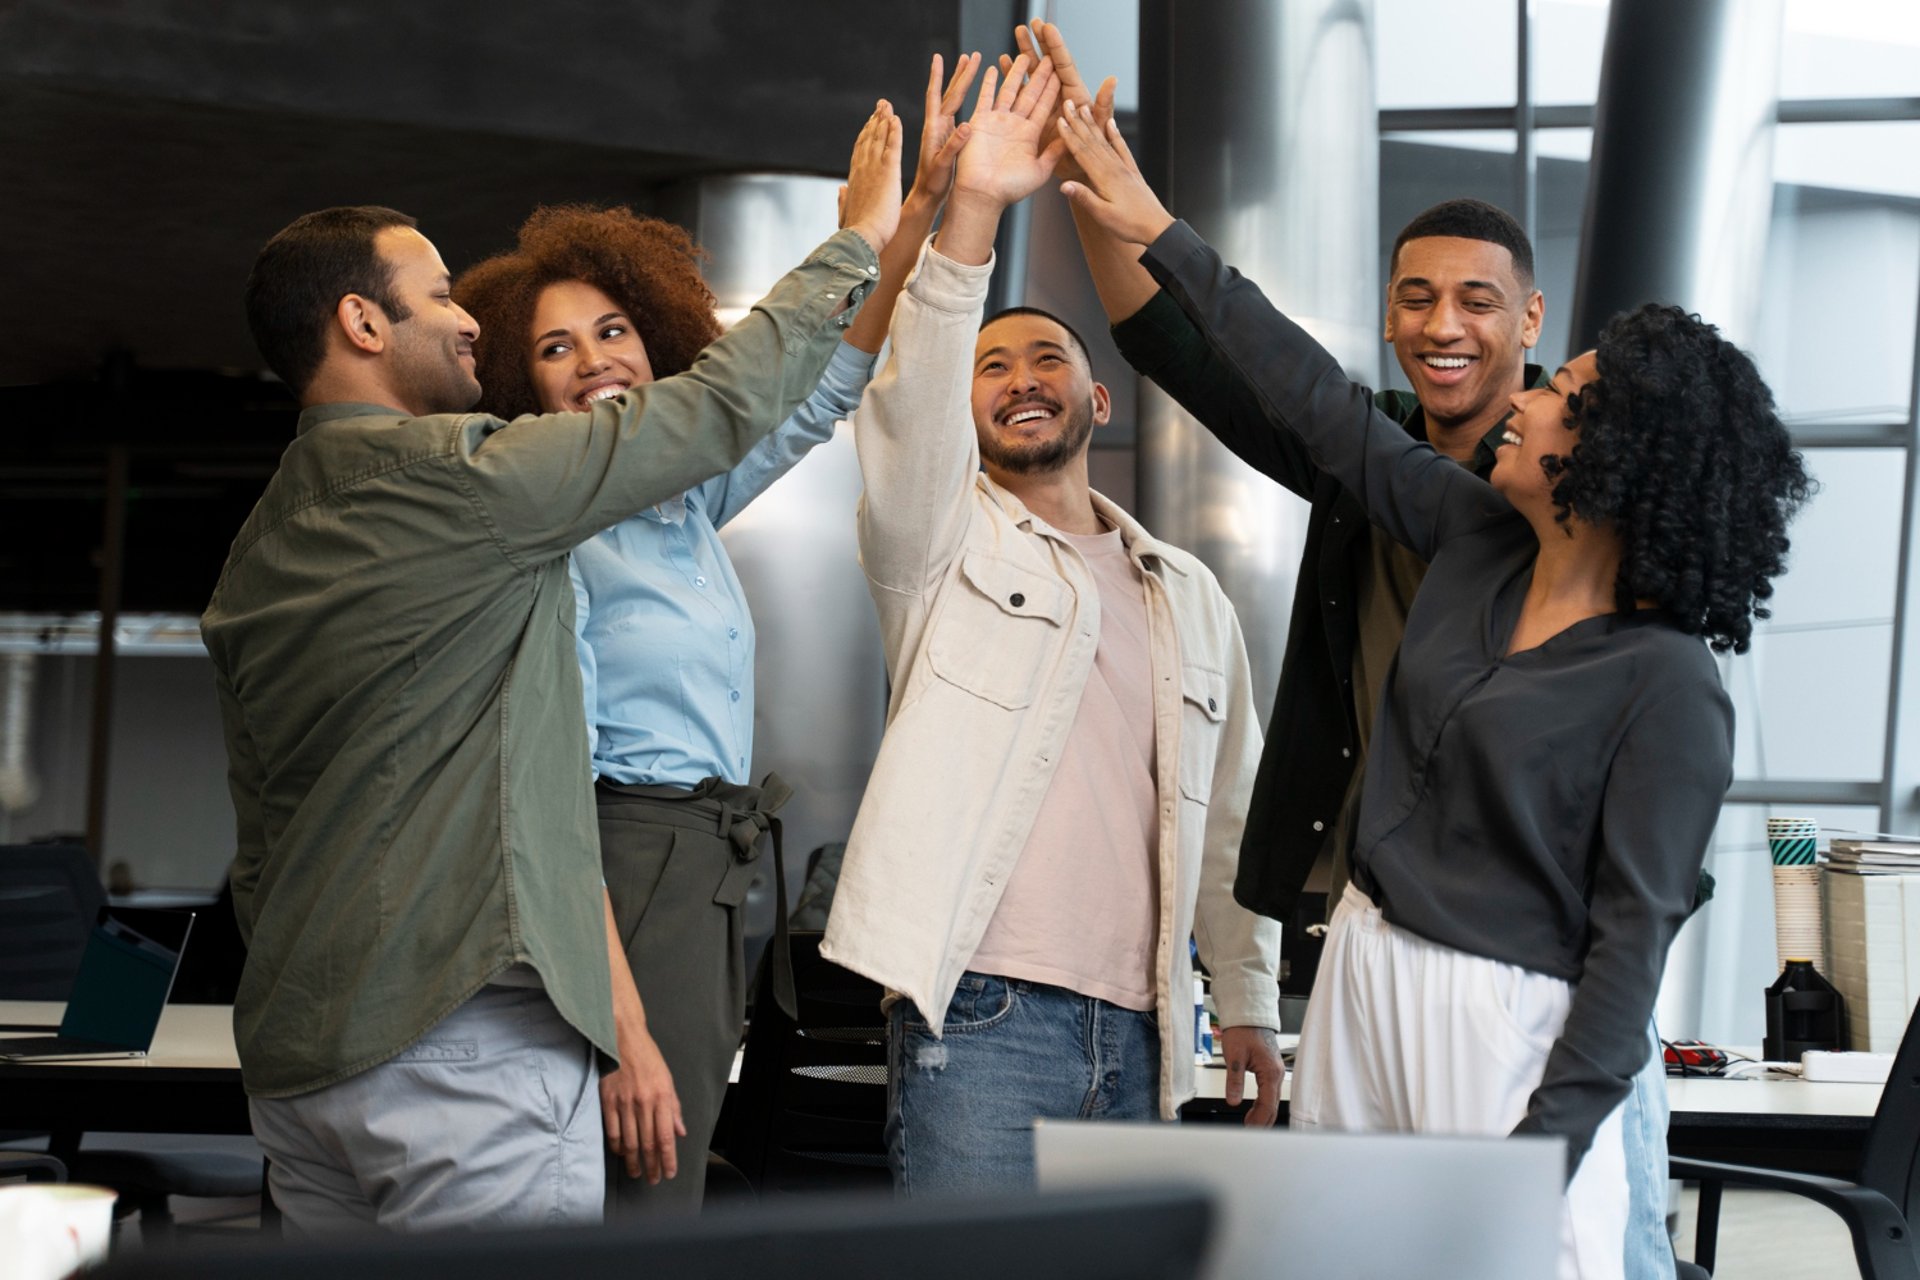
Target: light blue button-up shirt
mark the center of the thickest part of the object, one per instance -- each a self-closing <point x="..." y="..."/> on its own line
<point x="663" y="630"/>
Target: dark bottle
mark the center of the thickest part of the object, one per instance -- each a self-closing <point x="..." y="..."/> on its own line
<point x="1803" y="1012"/>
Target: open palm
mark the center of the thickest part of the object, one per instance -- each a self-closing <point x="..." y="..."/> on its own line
<point x="1034" y="38"/>
<point x="1004" y="159"/>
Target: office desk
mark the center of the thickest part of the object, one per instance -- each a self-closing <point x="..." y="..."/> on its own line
<point x="1778" y="1124"/>
<point x="189" y="1083"/>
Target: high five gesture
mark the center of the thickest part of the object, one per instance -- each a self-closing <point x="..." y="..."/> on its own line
<point x="1114" y="194"/>
<point x="1007" y="157"/>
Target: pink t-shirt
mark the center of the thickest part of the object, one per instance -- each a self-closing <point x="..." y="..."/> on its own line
<point x="1081" y="908"/>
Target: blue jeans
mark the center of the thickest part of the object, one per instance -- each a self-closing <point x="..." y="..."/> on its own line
<point x="1643" y="1135"/>
<point x="960" y="1109"/>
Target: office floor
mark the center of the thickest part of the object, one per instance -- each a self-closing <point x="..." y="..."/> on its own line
<point x="1769" y="1235"/>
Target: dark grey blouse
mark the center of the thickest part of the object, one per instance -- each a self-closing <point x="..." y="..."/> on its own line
<point x="1550" y="808"/>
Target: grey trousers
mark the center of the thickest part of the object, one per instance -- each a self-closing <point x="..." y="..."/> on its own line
<point x="491" y="1119"/>
<point x="677" y="863"/>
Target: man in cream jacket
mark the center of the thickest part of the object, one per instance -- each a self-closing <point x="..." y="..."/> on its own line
<point x="1057" y="803"/>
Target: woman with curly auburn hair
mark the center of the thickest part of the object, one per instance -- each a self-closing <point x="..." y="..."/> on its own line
<point x="591" y="303"/>
<point x="1551" y="749"/>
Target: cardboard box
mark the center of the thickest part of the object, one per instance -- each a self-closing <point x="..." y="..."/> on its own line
<point x="1873" y="953"/>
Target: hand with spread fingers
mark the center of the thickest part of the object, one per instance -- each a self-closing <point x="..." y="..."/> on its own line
<point x="941" y="141"/>
<point x="1113" y="194"/>
<point x="941" y="138"/>
<point x="1007" y="156"/>
<point x="1043" y="39"/>
<point x="871" y="202"/>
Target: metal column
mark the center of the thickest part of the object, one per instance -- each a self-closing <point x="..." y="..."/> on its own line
<point x="1260" y="125"/>
<point x="1680" y="194"/>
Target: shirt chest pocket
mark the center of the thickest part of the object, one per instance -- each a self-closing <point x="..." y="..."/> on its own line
<point x="1203" y="709"/>
<point x="997" y="626"/>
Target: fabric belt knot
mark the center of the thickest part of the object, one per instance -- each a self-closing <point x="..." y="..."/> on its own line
<point x="742" y="829"/>
<point x="738" y="815"/>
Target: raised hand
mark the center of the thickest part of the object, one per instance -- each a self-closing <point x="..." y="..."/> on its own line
<point x="871" y="205"/>
<point x="1008" y="156"/>
<point x="1113" y="193"/>
<point x="940" y="137"/>
<point x="1043" y="39"/>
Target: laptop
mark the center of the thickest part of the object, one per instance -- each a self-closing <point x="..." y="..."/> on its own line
<point x="1335" y="1204"/>
<point x="120" y="990"/>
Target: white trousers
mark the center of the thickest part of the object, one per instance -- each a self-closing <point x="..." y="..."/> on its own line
<point x="1403" y="1034"/>
<point x="491" y="1119"/>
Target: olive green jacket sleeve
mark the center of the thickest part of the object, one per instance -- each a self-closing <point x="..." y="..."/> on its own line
<point x="549" y="483"/>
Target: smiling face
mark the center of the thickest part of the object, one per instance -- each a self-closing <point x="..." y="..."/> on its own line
<point x="583" y="348"/>
<point x="1461" y="322"/>
<point x="1541" y="425"/>
<point x="431" y="350"/>
<point x="1035" y="402"/>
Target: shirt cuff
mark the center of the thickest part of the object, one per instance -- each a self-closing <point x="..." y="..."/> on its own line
<point x="848" y="372"/>
<point x="940" y="282"/>
<point x="1170" y="251"/>
<point x="848" y="252"/>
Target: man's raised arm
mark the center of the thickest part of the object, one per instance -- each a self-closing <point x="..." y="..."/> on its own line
<point x="914" y="431"/>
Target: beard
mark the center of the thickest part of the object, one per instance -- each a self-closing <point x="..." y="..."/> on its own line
<point x="434" y="375"/>
<point x="1039" y="457"/>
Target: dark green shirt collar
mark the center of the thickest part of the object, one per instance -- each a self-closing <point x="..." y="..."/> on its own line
<point x="315" y="414"/>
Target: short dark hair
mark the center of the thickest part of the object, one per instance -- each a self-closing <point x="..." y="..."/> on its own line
<point x="304" y="271"/>
<point x="1078" y="341"/>
<point x="1469" y="220"/>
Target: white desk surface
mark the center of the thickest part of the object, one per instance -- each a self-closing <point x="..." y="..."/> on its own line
<point x="1777" y="1097"/>
<point x="191" y="1037"/>
<point x="1699" y="1094"/>
<point x="200" y="1036"/>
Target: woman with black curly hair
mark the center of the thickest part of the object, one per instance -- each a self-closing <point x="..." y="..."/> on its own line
<point x="593" y="302"/>
<point x="1553" y="745"/>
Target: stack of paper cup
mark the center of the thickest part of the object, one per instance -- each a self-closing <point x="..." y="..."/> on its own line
<point x="1796" y="891"/>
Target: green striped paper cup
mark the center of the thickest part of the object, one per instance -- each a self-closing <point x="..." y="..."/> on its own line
<point x="1792" y="841"/>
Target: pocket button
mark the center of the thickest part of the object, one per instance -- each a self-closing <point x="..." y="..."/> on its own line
<point x="1016" y="599"/>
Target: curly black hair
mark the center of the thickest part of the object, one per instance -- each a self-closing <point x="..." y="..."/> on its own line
<point x="1681" y="452"/>
<point x="649" y="267"/>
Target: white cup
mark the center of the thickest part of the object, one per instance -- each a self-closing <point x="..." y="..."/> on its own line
<point x="50" y="1230"/>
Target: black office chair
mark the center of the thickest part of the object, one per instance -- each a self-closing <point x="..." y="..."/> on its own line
<point x="30" y="1166"/>
<point x="809" y="1112"/>
<point x="50" y="897"/>
<point x="1877" y="1205"/>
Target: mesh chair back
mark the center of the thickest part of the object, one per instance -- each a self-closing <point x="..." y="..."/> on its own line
<point x="50" y="896"/>
<point x="809" y="1112"/>
<point x="1891" y="1161"/>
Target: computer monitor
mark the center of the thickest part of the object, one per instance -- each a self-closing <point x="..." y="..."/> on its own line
<point x="1157" y="1234"/>
<point x="1317" y="1203"/>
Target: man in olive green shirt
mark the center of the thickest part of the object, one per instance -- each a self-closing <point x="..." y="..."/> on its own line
<point x="418" y="873"/>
